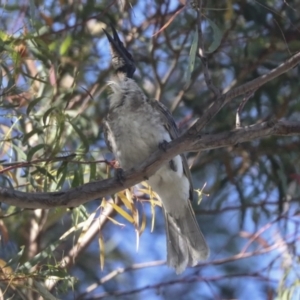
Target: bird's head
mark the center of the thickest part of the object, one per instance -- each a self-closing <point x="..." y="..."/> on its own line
<point x="122" y="60"/>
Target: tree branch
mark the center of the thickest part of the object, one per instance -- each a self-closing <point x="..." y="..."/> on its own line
<point x="243" y="89"/>
<point x="245" y="134"/>
<point x="188" y="142"/>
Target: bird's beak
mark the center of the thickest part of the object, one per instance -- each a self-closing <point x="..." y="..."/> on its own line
<point x="122" y="60"/>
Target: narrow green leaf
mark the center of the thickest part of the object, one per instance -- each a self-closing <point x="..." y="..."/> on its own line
<point x="192" y="56"/>
<point x="32" y="104"/>
<point x="54" y="217"/>
<point x="3" y="37"/>
<point x="47" y="113"/>
<point x="217" y="36"/>
<point x="18" y="152"/>
<point x="25" y="264"/>
<point x="76" y="180"/>
<point x="102" y="251"/>
<point x="42" y="45"/>
<point x="44" y="172"/>
<point x="81" y="174"/>
<point x="92" y="171"/>
<point x="82" y="136"/>
<point x="1" y="76"/>
<point x="31" y="133"/>
<point x="33" y="150"/>
<point x="63" y="170"/>
<point x="83" y="214"/>
<point x="65" y="45"/>
<point x="15" y="260"/>
<point x="10" y="79"/>
<point x="60" y="273"/>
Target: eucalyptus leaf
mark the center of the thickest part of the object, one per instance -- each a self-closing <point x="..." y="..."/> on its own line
<point x="192" y="56"/>
<point x="217" y="36"/>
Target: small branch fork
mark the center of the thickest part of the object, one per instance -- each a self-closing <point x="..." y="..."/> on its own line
<point x="240" y="108"/>
<point x="243" y="89"/>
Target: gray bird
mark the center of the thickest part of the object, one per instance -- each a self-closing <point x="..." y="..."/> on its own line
<point x="134" y="128"/>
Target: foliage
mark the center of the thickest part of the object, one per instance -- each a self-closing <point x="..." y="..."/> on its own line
<point x="54" y="65"/>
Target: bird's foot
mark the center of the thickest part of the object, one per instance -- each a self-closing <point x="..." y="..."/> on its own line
<point x="119" y="173"/>
<point x="163" y="145"/>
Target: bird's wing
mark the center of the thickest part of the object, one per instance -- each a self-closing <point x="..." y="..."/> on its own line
<point x="107" y="134"/>
<point x="171" y="127"/>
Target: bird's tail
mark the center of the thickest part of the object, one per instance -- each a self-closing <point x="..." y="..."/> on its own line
<point x="185" y="242"/>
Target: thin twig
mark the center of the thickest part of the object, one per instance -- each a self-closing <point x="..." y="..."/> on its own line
<point x="202" y="54"/>
<point x="240" y="108"/>
<point x="70" y="258"/>
<point x="119" y="271"/>
<point x="26" y="164"/>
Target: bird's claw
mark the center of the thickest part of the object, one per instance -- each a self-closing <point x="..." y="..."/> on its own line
<point x="163" y="145"/>
<point x="119" y="173"/>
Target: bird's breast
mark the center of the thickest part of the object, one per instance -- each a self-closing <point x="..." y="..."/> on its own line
<point x="135" y="133"/>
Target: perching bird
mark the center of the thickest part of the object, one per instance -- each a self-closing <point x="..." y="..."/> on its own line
<point x="134" y="128"/>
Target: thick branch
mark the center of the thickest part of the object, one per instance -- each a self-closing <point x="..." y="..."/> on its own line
<point x="95" y="190"/>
